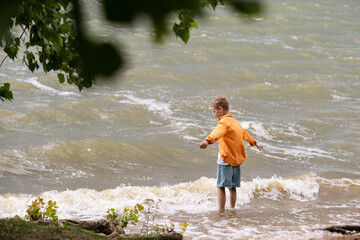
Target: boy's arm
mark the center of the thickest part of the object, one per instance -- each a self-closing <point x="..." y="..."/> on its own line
<point x="215" y="135"/>
<point x="218" y="132"/>
<point x="251" y="140"/>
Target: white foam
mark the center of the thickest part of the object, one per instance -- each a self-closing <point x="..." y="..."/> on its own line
<point x="47" y="89"/>
<point x="339" y="96"/>
<point x="291" y="130"/>
<point x="282" y="152"/>
<point x="198" y="201"/>
<point x="192" y="197"/>
<point x="280" y="149"/>
<point x="302" y="189"/>
<point x="151" y="104"/>
<point x="340" y="182"/>
<point x="12" y="205"/>
<point x="257" y="129"/>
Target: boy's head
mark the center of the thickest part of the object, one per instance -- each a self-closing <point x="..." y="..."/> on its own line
<point x="220" y="106"/>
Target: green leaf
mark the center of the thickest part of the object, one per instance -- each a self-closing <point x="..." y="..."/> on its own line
<point x="66" y="224"/>
<point x="64" y="27"/>
<point x="12" y="47"/>
<point x="30" y="61"/>
<point x="182" y="31"/>
<point x="140" y="207"/>
<point x="61" y="77"/>
<point x="6" y="93"/>
<point x="194" y="24"/>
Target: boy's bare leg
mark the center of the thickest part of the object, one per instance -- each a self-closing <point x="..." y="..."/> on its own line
<point x="232" y="197"/>
<point x="221" y="199"/>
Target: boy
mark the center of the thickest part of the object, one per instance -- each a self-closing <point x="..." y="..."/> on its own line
<point x="231" y="155"/>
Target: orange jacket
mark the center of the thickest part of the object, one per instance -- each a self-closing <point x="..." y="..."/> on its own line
<point x="230" y="135"/>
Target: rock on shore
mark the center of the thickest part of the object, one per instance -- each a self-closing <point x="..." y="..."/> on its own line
<point x="345" y="232"/>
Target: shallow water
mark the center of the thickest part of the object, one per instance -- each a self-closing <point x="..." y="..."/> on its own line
<point x="292" y="77"/>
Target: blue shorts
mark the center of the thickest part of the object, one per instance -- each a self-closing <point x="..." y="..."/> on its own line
<point x="228" y="176"/>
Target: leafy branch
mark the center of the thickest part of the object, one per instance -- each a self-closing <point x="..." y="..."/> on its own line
<point x="127" y="216"/>
<point x="58" y="41"/>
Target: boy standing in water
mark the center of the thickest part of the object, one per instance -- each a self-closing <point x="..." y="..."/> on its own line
<point x="231" y="155"/>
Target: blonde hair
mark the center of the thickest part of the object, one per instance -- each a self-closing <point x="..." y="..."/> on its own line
<point x="220" y="101"/>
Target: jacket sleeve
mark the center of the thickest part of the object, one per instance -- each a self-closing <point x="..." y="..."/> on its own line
<point x="218" y="132"/>
<point x="248" y="138"/>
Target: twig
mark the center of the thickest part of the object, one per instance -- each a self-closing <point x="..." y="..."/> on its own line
<point x="2" y="62"/>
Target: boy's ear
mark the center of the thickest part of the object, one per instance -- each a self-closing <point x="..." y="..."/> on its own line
<point x="220" y="108"/>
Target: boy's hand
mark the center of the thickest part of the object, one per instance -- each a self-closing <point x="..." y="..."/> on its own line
<point x="259" y="146"/>
<point x="204" y="144"/>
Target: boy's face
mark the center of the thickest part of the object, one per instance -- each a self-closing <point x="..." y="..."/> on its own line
<point x="218" y="112"/>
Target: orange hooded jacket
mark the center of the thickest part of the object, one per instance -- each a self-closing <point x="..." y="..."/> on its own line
<point x="230" y="135"/>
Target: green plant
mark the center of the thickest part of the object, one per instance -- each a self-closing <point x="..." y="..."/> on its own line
<point x="66" y="224"/>
<point x="128" y="216"/>
<point x="112" y="214"/>
<point x="131" y="215"/>
<point x="38" y="210"/>
<point x="183" y="227"/>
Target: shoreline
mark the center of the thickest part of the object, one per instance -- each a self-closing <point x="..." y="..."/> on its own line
<point x="18" y="228"/>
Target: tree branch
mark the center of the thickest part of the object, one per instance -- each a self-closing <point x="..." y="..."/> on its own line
<point x="3" y="60"/>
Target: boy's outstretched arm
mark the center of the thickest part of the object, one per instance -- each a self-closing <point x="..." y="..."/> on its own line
<point x="259" y="146"/>
<point x="204" y="144"/>
<point x="251" y="140"/>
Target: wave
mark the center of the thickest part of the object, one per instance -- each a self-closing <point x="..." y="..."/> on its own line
<point x="167" y="114"/>
<point x="53" y="156"/>
<point x="47" y="89"/>
<point x="193" y="197"/>
<point x="102" y="163"/>
<point x="267" y="207"/>
<point x="151" y="104"/>
<point x="276" y="137"/>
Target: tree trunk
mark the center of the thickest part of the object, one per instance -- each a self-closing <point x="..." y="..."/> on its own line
<point x="104" y="226"/>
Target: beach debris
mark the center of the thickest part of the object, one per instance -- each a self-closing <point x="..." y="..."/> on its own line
<point x="343" y="229"/>
<point x="105" y="226"/>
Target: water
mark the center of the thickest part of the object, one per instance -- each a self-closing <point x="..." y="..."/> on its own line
<point x="292" y="77"/>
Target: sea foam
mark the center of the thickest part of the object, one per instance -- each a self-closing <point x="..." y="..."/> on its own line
<point x="194" y="197"/>
<point x="34" y="81"/>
